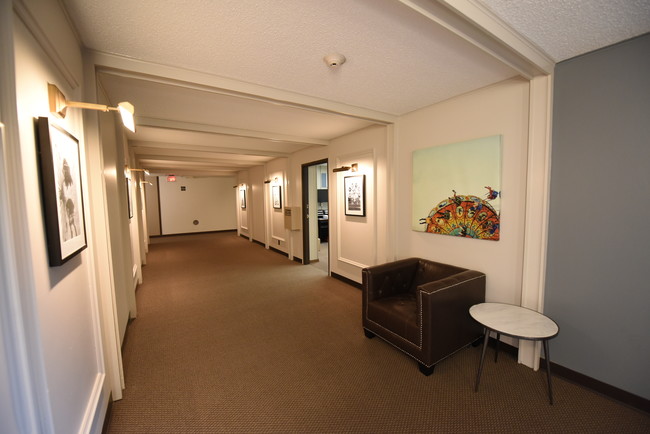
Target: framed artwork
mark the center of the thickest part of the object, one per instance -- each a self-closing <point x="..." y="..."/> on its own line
<point x="128" y="197"/>
<point x="61" y="192"/>
<point x="242" y="197"/>
<point x="276" y="196"/>
<point x="355" y="195"/>
<point x="457" y="189"/>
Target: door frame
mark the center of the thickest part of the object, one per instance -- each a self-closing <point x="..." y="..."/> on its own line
<point x="305" y="208"/>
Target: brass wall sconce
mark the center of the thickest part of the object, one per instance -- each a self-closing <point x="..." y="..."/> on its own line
<point x="59" y="104"/>
<point x="354" y="167"/>
<point x="146" y="172"/>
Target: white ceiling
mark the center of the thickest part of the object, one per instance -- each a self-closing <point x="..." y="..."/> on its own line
<point x="398" y="61"/>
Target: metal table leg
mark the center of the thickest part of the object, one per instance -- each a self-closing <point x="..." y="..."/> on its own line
<point x="480" y="365"/>
<point x="548" y="371"/>
<point x="496" y="351"/>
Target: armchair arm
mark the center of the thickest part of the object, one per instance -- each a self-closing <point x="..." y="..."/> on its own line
<point x="452" y="281"/>
<point x="388" y="279"/>
<point x="447" y="301"/>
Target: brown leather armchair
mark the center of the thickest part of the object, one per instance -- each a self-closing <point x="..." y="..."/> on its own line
<point x="422" y="308"/>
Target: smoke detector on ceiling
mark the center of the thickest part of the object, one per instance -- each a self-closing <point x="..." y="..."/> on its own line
<point x="334" y="60"/>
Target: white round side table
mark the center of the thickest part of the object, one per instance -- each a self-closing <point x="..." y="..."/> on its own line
<point x="517" y="322"/>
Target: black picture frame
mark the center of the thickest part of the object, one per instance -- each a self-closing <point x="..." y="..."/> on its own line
<point x="128" y="197"/>
<point x="61" y="192"/>
<point x="276" y="196"/>
<point x="354" y="194"/>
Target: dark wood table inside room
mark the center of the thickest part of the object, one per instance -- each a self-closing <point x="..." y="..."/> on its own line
<point x="517" y="322"/>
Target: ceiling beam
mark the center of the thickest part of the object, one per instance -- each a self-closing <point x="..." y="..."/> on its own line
<point x="200" y="156"/>
<point x="226" y="131"/>
<point x="199" y="161"/>
<point x="166" y="74"/>
<point x="476" y="24"/>
<point x="136" y="145"/>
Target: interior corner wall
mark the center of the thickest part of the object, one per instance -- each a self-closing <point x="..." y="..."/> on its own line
<point x="65" y="308"/>
<point x="597" y="286"/>
<point x="355" y="240"/>
<point x="256" y="176"/>
<point x="120" y="237"/>
<point x="279" y="237"/>
<point x="192" y="205"/>
<point x="500" y="109"/>
<point x="152" y="205"/>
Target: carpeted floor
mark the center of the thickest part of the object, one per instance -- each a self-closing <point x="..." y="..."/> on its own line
<point x="234" y="338"/>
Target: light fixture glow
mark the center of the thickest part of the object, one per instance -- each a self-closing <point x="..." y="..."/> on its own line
<point x="59" y="104"/>
<point x="127" y="110"/>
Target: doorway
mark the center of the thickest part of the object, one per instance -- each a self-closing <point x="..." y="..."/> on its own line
<point x="315" y="218"/>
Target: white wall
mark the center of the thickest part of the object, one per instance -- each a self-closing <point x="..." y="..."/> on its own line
<point x="207" y="200"/>
<point x="277" y="172"/>
<point x="358" y="242"/>
<point x="152" y="205"/>
<point x="498" y="109"/>
<point x="113" y="160"/>
<point x="65" y="305"/>
<point x="256" y="202"/>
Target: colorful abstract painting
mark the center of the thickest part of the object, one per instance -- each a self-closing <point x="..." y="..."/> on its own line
<point x="457" y="189"/>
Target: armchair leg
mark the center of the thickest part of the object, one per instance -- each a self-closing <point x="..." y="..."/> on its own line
<point x="368" y="334"/>
<point x="426" y="370"/>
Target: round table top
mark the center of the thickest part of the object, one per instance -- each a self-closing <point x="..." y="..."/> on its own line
<point x="515" y="321"/>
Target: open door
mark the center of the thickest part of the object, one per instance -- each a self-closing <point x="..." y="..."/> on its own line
<point x="315" y="205"/>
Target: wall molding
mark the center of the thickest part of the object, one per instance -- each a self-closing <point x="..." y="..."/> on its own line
<point x="538" y="180"/>
<point x="95" y="405"/>
<point x="480" y="27"/>
<point x="165" y="74"/>
<point x="20" y="331"/>
<point x="39" y="34"/>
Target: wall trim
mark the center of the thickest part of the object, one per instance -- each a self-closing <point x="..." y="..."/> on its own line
<point x="279" y="251"/>
<point x="174" y="76"/>
<point x="605" y="389"/>
<point x="193" y="233"/>
<point x="582" y="380"/>
<point x="477" y="25"/>
<point x="538" y="181"/>
<point x="23" y="12"/>
<point x="346" y="280"/>
<point x="93" y="408"/>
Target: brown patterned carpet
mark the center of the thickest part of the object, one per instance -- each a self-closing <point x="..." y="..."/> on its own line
<point x="234" y="338"/>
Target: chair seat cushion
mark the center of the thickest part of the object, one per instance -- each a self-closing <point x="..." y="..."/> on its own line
<point x="398" y="314"/>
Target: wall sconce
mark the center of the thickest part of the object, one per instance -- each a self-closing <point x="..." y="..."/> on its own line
<point x="58" y="105"/>
<point x="268" y="181"/>
<point x="127" y="168"/>
<point x="354" y="167"/>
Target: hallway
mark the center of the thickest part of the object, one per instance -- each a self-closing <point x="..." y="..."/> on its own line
<point x="231" y="337"/>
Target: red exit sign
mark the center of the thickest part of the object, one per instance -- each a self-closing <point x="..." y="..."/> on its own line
<point x="171" y="178"/>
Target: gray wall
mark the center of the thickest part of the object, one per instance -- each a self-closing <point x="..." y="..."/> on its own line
<point x="598" y="274"/>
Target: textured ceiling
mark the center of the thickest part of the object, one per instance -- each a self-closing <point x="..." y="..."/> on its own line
<point x="569" y="28"/>
<point x="398" y="60"/>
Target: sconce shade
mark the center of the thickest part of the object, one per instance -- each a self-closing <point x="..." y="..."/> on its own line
<point x="59" y="104"/>
<point x="127" y="110"/>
